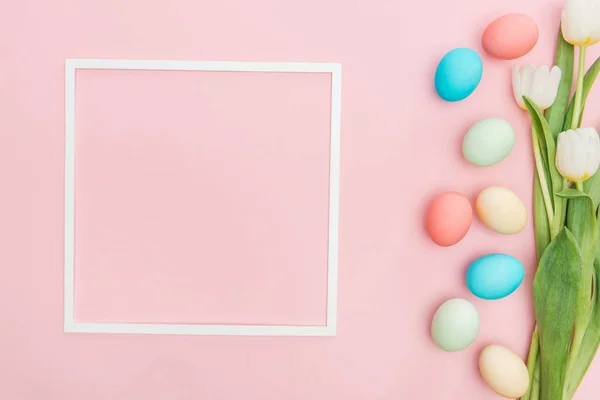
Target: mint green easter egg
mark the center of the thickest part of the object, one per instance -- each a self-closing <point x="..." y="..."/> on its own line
<point x="488" y="142"/>
<point x="455" y="325"/>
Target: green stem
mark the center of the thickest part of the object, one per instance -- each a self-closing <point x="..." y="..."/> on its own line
<point x="535" y="384"/>
<point x="560" y="214"/>
<point x="533" y="392"/>
<point x="532" y="362"/>
<point x="542" y="176"/>
<point x="579" y="90"/>
<point x="582" y="316"/>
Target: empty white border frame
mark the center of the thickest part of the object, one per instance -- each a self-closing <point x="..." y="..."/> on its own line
<point x="70" y="325"/>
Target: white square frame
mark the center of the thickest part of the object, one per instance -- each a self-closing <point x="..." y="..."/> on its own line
<point x="70" y="325"/>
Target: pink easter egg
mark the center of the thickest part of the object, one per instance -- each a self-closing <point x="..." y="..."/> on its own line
<point x="510" y="36"/>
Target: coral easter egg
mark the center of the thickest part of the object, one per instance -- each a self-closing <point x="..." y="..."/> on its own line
<point x="448" y="218"/>
<point x="510" y="36"/>
<point x="458" y="74"/>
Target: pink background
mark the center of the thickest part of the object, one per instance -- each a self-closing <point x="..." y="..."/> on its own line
<point x="400" y="146"/>
<point x="202" y="197"/>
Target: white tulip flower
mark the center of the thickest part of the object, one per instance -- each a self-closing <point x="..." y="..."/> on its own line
<point x="540" y="84"/>
<point x="578" y="154"/>
<point x="580" y="22"/>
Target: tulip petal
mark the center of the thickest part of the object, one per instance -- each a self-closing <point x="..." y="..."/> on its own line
<point x="538" y="87"/>
<point x="561" y="153"/>
<point x="578" y="156"/>
<point x="555" y="74"/>
<point x="574" y="171"/>
<point x="527" y="73"/>
<point x="592" y="146"/>
<point x="595" y="21"/>
<point x="553" y="83"/>
<point x="517" y="85"/>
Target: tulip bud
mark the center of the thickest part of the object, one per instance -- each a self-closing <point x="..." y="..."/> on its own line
<point x="578" y="154"/>
<point x="580" y="22"/>
<point x="540" y="84"/>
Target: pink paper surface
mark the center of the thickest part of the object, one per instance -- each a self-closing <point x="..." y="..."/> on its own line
<point x="202" y="197"/>
<point x="400" y="147"/>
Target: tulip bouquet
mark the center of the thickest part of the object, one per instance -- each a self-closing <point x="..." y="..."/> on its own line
<point x="566" y="199"/>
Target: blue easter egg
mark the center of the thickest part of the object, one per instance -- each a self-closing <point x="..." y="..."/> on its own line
<point x="458" y="74"/>
<point x="494" y="276"/>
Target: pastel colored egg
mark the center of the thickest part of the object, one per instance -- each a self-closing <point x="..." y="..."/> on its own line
<point x="458" y="74"/>
<point x="494" y="276"/>
<point x="503" y="371"/>
<point x="455" y="325"/>
<point x="488" y="142"/>
<point x="510" y="36"/>
<point x="448" y="218"/>
<point x="501" y="210"/>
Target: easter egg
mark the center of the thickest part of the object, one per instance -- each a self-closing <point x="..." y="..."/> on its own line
<point x="458" y="74"/>
<point x="455" y="325"/>
<point x="448" y="218"/>
<point x="503" y="371"/>
<point x="494" y="276"/>
<point x="502" y="210"/>
<point x="510" y="36"/>
<point x="488" y="142"/>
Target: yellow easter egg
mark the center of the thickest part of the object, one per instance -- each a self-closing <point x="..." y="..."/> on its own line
<point x="502" y="210"/>
<point x="503" y="371"/>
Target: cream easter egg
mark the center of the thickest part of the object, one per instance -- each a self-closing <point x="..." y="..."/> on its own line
<point x="502" y="210"/>
<point x="503" y="371"/>
<point x="448" y="218"/>
<point x="510" y="36"/>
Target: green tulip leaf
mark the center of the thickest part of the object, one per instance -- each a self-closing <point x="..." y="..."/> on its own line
<point x="592" y="186"/>
<point x="538" y="132"/>
<point x="555" y="180"/>
<point x="540" y="219"/>
<point x="570" y="193"/>
<point x="588" y="82"/>
<point x="591" y="340"/>
<point x="555" y="289"/>
<point x="590" y="343"/>
<point x="583" y="224"/>
<point x="564" y="58"/>
<point x="546" y="139"/>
